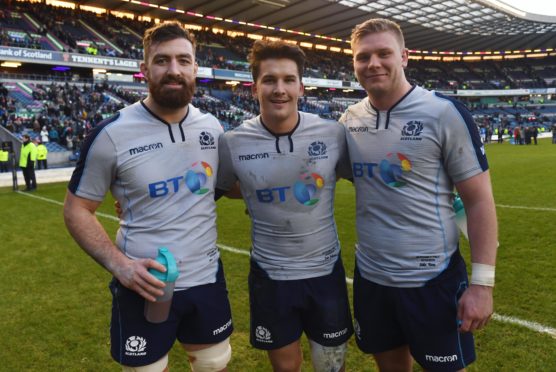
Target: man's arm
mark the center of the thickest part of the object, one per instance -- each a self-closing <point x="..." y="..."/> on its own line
<point x="476" y="304"/>
<point x="84" y="227"/>
<point x="233" y="193"/>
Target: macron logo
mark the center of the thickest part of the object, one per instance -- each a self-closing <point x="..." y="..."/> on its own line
<point x="223" y="328"/>
<point x="335" y="334"/>
<point x="263" y="155"/>
<point x="441" y="358"/>
<point x="140" y="149"/>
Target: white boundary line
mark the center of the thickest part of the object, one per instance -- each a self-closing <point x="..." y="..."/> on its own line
<point x="537" y="327"/>
<point x="534" y="326"/>
<point x="528" y="208"/>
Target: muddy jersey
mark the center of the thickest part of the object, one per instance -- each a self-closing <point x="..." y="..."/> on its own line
<point x="163" y="175"/>
<point x="405" y="162"/>
<point x="288" y="182"/>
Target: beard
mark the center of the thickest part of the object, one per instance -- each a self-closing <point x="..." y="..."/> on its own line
<point x="172" y="98"/>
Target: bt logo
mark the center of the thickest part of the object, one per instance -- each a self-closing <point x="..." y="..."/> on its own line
<point x="195" y="179"/>
<point x="390" y="169"/>
<point x="304" y="190"/>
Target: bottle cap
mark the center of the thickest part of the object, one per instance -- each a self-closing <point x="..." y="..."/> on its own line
<point x="458" y="204"/>
<point x="166" y="258"/>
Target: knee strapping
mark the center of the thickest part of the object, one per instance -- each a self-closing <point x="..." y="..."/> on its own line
<point x="157" y="366"/>
<point x="211" y="359"/>
<point x="327" y="358"/>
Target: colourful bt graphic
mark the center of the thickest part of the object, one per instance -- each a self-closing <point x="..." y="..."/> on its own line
<point x="197" y="176"/>
<point x="305" y="189"/>
<point x="390" y="171"/>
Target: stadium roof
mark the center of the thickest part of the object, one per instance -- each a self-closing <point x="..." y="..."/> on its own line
<point x="429" y="25"/>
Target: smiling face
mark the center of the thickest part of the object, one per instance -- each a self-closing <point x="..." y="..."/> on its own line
<point x="170" y="71"/>
<point x="278" y="87"/>
<point x="379" y="61"/>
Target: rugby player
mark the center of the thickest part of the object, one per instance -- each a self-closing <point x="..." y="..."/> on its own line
<point x="287" y="163"/>
<point x="409" y="148"/>
<point x="159" y="158"/>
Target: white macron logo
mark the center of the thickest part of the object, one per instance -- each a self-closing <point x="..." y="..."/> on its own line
<point x="335" y="334"/>
<point x="263" y="335"/>
<point x="223" y="328"/>
<point x="135" y="346"/>
<point x="441" y="358"/>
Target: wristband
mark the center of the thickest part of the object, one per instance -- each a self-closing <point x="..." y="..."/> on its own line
<point x="482" y="274"/>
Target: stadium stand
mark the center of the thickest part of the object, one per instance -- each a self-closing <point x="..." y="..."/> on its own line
<point x="68" y="103"/>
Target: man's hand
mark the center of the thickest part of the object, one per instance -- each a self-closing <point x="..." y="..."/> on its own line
<point x="475" y="307"/>
<point x="118" y="209"/>
<point x="135" y="276"/>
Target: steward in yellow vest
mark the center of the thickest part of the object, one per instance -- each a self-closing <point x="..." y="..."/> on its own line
<point x="27" y="158"/>
<point x="42" y="152"/>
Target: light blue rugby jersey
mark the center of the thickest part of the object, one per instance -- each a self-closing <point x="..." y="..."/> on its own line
<point x="288" y="184"/>
<point x="163" y="175"/>
<point x="405" y="162"/>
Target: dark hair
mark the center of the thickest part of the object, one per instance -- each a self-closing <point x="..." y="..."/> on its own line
<point x="165" y="32"/>
<point x="265" y="49"/>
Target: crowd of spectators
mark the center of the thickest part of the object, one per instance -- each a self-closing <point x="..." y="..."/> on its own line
<point x="12" y="35"/>
<point x="218" y="50"/>
<point x="68" y="113"/>
<point x="229" y="113"/>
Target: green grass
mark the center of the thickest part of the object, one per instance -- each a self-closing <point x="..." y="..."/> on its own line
<point x="54" y="304"/>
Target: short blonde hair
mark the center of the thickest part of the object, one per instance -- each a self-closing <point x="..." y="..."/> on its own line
<point x="376" y="25"/>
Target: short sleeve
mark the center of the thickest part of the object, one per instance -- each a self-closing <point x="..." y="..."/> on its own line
<point x="96" y="167"/>
<point x="462" y="149"/>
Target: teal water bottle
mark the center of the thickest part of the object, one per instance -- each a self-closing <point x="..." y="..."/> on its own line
<point x="157" y="312"/>
<point x="461" y="217"/>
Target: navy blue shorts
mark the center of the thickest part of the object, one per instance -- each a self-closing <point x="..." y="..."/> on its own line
<point x="282" y="309"/>
<point x="199" y="315"/>
<point x="424" y="318"/>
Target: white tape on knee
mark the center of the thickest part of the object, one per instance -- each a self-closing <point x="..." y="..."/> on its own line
<point x="328" y="358"/>
<point x="157" y="366"/>
<point x="211" y="359"/>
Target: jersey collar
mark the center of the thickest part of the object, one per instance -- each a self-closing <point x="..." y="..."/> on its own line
<point x="277" y="136"/>
<point x="168" y="125"/>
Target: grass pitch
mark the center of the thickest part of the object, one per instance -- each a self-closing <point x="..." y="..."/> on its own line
<point x="55" y="303"/>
